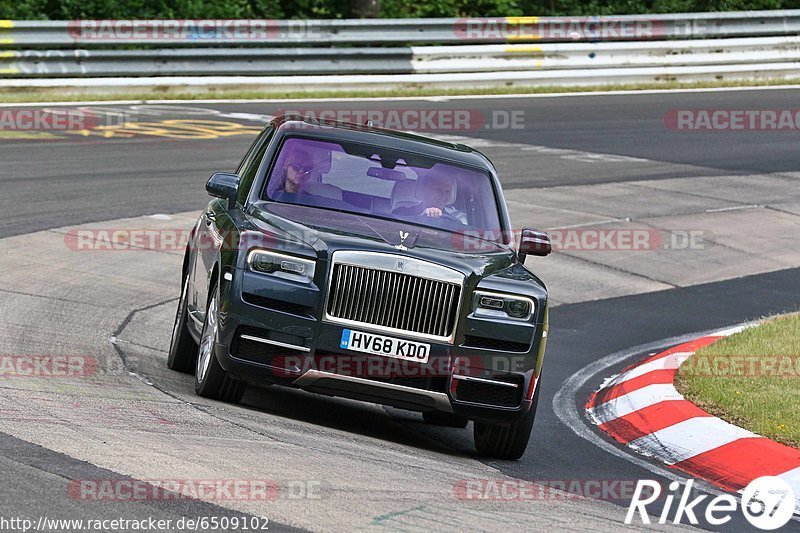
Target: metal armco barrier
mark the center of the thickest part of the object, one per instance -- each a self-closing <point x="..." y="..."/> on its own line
<point x="519" y="50"/>
<point x="206" y="62"/>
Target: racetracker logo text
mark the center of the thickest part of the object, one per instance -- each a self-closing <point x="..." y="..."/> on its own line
<point x="389" y="366"/>
<point x="47" y="366"/>
<point x="191" y="30"/>
<point x="411" y="119"/>
<point x="558" y="29"/>
<point x="595" y="239"/>
<point x="733" y="119"/>
<point x="743" y="366"/>
<point x="192" y="489"/>
<point x="46" y="120"/>
<point x="515" y="490"/>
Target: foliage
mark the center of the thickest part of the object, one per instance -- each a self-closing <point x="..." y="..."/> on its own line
<point x="318" y="9"/>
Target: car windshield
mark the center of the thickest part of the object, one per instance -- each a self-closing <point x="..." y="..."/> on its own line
<point x="386" y="183"/>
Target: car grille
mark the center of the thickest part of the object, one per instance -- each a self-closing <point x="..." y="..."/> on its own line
<point x="393" y="300"/>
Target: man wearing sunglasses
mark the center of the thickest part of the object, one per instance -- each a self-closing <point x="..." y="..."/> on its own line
<point x="298" y="180"/>
<point x="296" y="172"/>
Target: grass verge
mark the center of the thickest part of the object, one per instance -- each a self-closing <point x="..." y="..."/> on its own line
<point x="60" y="94"/>
<point x="751" y="379"/>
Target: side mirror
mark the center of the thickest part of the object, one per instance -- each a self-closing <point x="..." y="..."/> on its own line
<point x="534" y="242"/>
<point x="224" y="185"/>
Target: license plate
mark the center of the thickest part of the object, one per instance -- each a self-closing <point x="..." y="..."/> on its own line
<point x="359" y="341"/>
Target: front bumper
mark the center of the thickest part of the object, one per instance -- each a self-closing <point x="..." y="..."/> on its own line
<point x="270" y="340"/>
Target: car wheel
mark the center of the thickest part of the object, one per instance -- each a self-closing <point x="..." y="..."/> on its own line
<point x="444" y="419"/>
<point x="507" y="441"/>
<point x="210" y="379"/>
<point x="182" y="348"/>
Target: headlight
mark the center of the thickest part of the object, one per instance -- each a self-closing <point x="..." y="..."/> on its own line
<point x="281" y="266"/>
<point x="496" y="305"/>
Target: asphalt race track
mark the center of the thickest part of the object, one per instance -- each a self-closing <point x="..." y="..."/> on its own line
<point x="579" y="161"/>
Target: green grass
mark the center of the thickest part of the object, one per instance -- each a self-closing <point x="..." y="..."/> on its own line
<point x="182" y="93"/>
<point x="751" y="379"/>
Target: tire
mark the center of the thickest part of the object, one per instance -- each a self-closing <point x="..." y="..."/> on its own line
<point x="210" y="379"/>
<point x="444" y="419"/>
<point x="182" y="348"/>
<point x="506" y="441"/>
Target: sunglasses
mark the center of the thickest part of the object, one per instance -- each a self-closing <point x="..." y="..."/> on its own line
<point x="297" y="167"/>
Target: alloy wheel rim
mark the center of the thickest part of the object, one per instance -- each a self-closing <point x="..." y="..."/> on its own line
<point x="208" y="340"/>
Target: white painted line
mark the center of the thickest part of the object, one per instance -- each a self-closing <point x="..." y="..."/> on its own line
<point x="730" y="331"/>
<point x="581" y="156"/>
<point x="414" y="98"/>
<point x="734" y="208"/>
<point x="689" y="438"/>
<point x="634" y="401"/>
<point x="76" y="103"/>
<point x="584" y="224"/>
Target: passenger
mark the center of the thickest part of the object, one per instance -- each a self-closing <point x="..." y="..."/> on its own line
<point x="293" y="177"/>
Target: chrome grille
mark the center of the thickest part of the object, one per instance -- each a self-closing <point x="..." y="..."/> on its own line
<point x="395" y="300"/>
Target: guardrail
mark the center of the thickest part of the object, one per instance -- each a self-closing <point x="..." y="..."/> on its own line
<point x="521" y="50"/>
<point x="193" y="33"/>
<point x="411" y="60"/>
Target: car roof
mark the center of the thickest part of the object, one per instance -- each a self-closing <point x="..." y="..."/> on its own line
<point x="366" y="133"/>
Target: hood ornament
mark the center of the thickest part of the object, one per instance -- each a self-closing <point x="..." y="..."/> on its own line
<point x="403" y="237"/>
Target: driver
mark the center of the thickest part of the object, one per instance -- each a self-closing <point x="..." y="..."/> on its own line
<point x="436" y="194"/>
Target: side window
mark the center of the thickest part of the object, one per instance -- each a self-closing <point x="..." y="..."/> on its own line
<point x="249" y="166"/>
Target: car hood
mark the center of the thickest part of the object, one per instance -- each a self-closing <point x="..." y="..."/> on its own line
<point x="326" y="231"/>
